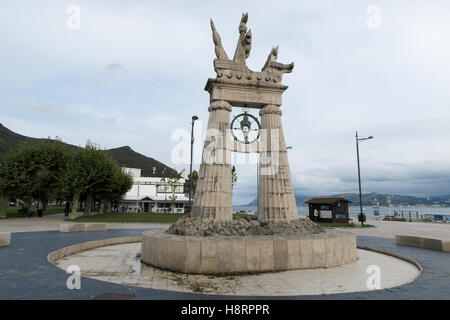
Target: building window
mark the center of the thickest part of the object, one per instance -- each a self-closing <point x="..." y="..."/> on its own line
<point x="339" y="204"/>
<point x="169" y="189"/>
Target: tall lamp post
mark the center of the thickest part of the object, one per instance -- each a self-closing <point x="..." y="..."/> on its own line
<point x="361" y="216"/>
<point x="190" y="169"/>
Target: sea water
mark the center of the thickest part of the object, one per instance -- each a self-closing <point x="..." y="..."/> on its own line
<point x="369" y="211"/>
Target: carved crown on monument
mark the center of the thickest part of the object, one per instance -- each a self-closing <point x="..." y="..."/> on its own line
<point x="225" y="68"/>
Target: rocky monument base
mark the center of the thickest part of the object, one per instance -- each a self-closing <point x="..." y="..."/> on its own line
<point x="243" y="227"/>
<point x="224" y="255"/>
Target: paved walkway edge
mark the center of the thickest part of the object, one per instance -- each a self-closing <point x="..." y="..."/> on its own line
<point x="54" y="256"/>
<point x="412" y="261"/>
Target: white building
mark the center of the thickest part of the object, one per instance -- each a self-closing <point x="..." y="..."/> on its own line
<point x="153" y="194"/>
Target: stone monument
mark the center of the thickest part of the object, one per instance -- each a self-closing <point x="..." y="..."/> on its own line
<point x="236" y="85"/>
<point x="210" y="241"/>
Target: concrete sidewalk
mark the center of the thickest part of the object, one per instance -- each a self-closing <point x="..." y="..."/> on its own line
<point x="52" y="222"/>
<point x="384" y="229"/>
<point x="388" y="229"/>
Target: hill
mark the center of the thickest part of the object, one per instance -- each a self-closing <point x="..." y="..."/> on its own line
<point x="10" y="139"/>
<point x="382" y="198"/>
<point x="299" y="198"/>
<point x="125" y="156"/>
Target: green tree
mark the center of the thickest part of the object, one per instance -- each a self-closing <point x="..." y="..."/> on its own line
<point x="163" y="183"/>
<point x="173" y="182"/>
<point x="194" y="182"/>
<point x="76" y="178"/>
<point x="233" y="177"/>
<point x="114" y="188"/>
<point x="50" y="159"/>
<point x="90" y="171"/>
<point x="33" y="170"/>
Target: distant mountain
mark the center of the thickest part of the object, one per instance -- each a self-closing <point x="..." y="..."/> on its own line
<point x="10" y="139"/>
<point x="125" y="156"/>
<point x="369" y="199"/>
<point x="254" y="203"/>
<point x="382" y="198"/>
<point x="445" y="197"/>
<point x="299" y="198"/>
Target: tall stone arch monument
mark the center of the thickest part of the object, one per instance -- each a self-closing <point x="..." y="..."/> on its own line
<point x="235" y="85"/>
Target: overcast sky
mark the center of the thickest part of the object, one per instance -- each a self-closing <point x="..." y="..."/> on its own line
<point x="135" y="71"/>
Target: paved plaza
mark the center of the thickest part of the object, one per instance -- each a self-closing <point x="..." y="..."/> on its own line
<point x="25" y="272"/>
<point x="53" y="222"/>
<point x="385" y="229"/>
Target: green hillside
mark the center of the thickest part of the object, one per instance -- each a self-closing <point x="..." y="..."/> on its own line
<point x="9" y="139"/>
<point x="125" y="156"/>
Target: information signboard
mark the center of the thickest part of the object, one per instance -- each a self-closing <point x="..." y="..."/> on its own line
<point x="326" y="214"/>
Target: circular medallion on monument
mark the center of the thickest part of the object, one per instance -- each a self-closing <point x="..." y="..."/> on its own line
<point x="245" y="128"/>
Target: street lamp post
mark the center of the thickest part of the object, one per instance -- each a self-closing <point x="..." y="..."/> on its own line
<point x="190" y="169"/>
<point x="361" y="216"/>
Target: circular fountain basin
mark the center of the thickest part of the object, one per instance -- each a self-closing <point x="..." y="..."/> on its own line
<point x="116" y="261"/>
<point x="226" y="255"/>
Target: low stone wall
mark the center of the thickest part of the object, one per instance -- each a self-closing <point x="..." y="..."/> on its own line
<point x="236" y="255"/>
<point x="82" y="227"/>
<point x="54" y="256"/>
<point x="5" y="239"/>
<point x="421" y="242"/>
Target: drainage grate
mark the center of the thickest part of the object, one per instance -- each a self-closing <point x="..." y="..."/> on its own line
<point x="112" y="296"/>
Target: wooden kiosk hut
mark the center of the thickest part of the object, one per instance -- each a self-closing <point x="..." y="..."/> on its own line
<point x="329" y="209"/>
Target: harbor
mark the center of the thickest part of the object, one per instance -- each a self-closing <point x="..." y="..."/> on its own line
<point x="422" y="214"/>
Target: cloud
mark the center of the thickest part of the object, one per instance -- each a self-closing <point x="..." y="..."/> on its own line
<point x="134" y="72"/>
<point x="422" y="179"/>
<point x="115" y="69"/>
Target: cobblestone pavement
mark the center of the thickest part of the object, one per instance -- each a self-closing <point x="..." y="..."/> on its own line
<point x="25" y="272"/>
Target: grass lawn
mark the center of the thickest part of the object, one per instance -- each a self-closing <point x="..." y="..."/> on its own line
<point x="246" y="216"/>
<point x="343" y="225"/>
<point x="13" y="211"/>
<point x="131" y="217"/>
<point x="139" y="217"/>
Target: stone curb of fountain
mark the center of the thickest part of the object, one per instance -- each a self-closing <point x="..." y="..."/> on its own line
<point x="392" y="254"/>
<point x="66" y="251"/>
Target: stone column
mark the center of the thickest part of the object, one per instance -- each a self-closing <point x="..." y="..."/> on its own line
<point x="212" y="199"/>
<point x="276" y="201"/>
